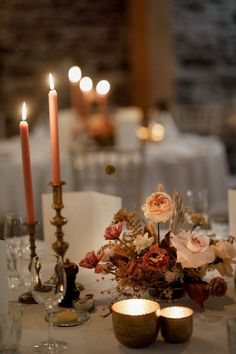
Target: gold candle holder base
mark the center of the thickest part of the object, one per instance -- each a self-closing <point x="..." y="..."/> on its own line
<point x="27" y="298"/>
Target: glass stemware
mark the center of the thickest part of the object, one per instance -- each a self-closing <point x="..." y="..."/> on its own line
<point x="48" y="286"/>
<point x="15" y="234"/>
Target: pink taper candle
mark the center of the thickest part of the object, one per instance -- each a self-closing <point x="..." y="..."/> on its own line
<point x="52" y="98"/>
<point x="25" y="149"/>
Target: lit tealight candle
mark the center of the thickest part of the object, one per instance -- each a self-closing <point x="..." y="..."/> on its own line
<point x="176" y="324"/>
<point x="86" y="87"/>
<point x="136" y="322"/>
<point x="157" y="132"/>
<point x="102" y="89"/>
<point x="74" y="75"/>
<point x="52" y="99"/>
<point x="26" y="162"/>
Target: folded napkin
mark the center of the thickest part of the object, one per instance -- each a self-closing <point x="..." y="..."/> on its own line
<point x="232" y="211"/>
<point x="3" y="278"/>
<point x="88" y="214"/>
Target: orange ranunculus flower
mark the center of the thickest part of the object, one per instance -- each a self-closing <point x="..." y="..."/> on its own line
<point x="113" y="231"/>
<point x="155" y="259"/>
<point x="158" y="207"/>
<point x="91" y="260"/>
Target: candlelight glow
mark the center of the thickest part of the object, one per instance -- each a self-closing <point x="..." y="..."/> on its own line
<point x="86" y="84"/>
<point x="51" y="81"/>
<point x="135" y="307"/>
<point x="157" y="132"/>
<point x="74" y="74"/>
<point x="142" y="133"/>
<point x="176" y="312"/>
<point x="103" y="87"/>
<point x="24" y="111"/>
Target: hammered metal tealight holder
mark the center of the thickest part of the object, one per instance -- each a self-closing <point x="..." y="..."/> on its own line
<point x="27" y="298"/>
<point x="176" y="324"/>
<point x="136" y="322"/>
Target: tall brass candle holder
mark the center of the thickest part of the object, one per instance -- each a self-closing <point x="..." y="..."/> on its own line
<point x="60" y="247"/>
<point x="27" y="298"/>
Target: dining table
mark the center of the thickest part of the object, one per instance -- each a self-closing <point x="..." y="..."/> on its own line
<point x="96" y="336"/>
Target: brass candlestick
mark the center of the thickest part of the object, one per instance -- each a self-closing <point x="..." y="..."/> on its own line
<point x="27" y="298"/>
<point x="60" y="247"/>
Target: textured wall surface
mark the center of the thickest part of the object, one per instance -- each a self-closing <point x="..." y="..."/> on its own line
<point x="205" y="42"/>
<point x="40" y="36"/>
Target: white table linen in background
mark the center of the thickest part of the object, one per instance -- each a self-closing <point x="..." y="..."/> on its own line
<point x="184" y="162"/>
<point x="189" y="162"/>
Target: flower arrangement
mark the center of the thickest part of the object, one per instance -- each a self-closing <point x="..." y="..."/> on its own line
<point x="139" y="260"/>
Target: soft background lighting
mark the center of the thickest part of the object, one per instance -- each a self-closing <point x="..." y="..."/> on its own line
<point x="74" y="74"/>
<point x="103" y="87"/>
<point x="86" y="84"/>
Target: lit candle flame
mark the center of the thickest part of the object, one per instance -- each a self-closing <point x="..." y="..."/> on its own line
<point x="24" y="112"/>
<point x="51" y="81"/>
<point x="74" y="74"/>
<point x="157" y="132"/>
<point x="86" y="84"/>
<point x="176" y="312"/>
<point x="103" y="87"/>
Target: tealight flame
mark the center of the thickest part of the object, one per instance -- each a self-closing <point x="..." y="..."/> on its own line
<point x="142" y="133"/>
<point x="74" y="74"/>
<point x="103" y="87"/>
<point x="24" y="112"/>
<point x="135" y="307"/>
<point x="51" y="81"/>
<point x="157" y="132"/>
<point x="86" y="84"/>
<point x="176" y="312"/>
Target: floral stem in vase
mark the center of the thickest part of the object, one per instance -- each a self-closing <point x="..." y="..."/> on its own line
<point x="158" y="234"/>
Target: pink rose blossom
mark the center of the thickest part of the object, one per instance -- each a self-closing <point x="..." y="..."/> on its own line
<point x="158" y="207"/>
<point x="113" y="231"/>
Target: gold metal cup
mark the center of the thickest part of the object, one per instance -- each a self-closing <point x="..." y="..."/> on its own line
<point x="176" y="324"/>
<point x="136" y="322"/>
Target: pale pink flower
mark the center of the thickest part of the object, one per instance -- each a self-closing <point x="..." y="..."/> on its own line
<point x="158" y="207"/>
<point x="193" y="250"/>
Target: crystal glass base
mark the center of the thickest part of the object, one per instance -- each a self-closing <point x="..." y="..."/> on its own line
<point x="50" y="348"/>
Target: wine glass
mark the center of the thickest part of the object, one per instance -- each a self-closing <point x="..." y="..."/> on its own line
<point x="48" y="286"/>
<point x="15" y="234"/>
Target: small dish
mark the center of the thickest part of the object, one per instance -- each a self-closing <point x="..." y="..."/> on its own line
<point x="77" y="318"/>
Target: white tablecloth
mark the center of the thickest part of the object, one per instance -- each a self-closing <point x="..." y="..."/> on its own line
<point x="97" y="337"/>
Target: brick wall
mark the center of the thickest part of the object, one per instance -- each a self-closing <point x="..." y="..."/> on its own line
<point x="40" y="36"/>
<point x="205" y="43"/>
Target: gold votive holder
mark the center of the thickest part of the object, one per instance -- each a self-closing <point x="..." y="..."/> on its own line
<point x="176" y="324"/>
<point x="136" y="322"/>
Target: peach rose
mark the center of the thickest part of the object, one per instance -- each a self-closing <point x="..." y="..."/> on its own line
<point x="158" y="207"/>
